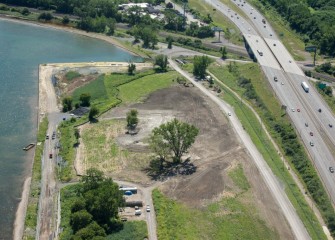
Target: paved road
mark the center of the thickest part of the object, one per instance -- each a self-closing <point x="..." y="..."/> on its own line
<point x="275" y="60"/>
<point x="47" y="211"/>
<point x="270" y="179"/>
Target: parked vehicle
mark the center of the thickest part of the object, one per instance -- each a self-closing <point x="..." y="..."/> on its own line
<point x="138" y="212"/>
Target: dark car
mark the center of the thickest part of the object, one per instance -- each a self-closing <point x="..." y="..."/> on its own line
<point x="320" y="110"/>
<point x="50" y="155"/>
<point x="330" y="125"/>
<point x="331" y="169"/>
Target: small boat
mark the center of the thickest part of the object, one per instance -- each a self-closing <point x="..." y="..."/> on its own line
<point x="29" y="146"/>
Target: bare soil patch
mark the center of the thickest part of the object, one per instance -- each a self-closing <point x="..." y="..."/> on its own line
<point x="215" y="151"/>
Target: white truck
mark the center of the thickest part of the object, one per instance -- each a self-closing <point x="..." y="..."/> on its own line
<point x="305" y="86"/>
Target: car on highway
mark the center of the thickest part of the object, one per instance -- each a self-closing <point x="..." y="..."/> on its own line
<point x="254" y="17"/>
<point x="264" y="26"/>
<point x="282" y="83"/>
<point x="148" y="208"/>
<point x="331" y="169"/>
<point x="311" y="133"/>
<point x="320" y="110"/>
<point x="274" y="44"/>
<point x="306" y="124"/>
<point x="229" y="114"/>
<point x="289" y="61"/>
<point x="292" y="109"/>
<point x="275" y="79"/>
<point x="298" y="109"/>
<point x="311" y="143"/>
<point x="50" y="155"/>
<point x="330" y="125"/>
<point x="47" y="136"/>
<point x="270" y="34"/>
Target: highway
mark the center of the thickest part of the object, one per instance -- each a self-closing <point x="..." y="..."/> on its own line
<point x="276" y="61"/>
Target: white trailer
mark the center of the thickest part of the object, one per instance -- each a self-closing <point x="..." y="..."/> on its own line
<point x="305" y="86"/>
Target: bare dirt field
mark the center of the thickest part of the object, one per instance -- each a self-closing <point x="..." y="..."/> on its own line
<point x="215" y="152"/>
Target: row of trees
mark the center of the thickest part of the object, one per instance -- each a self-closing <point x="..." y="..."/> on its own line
<point x="85" y="101"/>
<point x="317" y="25"/>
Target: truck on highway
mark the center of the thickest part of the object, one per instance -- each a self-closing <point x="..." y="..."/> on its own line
<point x="305" y="86"/>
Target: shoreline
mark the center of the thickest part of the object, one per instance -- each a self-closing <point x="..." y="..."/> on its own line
<point x="70" y="30"/>
<point x="20" y="214"/>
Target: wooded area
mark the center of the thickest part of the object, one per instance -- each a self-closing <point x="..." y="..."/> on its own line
<point x="315" y="19"/>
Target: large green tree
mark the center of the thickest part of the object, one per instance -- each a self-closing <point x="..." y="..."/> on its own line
<point x="85" y="99"/>
<point x="161" y="61"/>
<point x="177" y="136"/>
<point x="200" y="64"/>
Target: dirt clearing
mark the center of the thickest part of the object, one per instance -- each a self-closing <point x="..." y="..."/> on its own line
<point x="215" y="153"/>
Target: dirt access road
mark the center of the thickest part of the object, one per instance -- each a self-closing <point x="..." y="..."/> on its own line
<point x="279" y="194"/>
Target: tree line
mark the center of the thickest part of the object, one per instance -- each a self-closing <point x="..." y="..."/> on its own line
<point x="315" y="19"/>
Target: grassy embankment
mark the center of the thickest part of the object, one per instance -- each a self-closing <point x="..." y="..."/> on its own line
<point x="219" y="20"/>
<point x="329" y="99"/>
<point x="292" y="40"/>
<point x="106" y="92"/>
<point x="31" y="215"/>
<point x="274" y="118"/>
<point x="135" y="230"/>
<point x="231" y="217"/>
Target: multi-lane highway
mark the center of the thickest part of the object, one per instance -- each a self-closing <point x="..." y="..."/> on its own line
<point x="313" y="126"/>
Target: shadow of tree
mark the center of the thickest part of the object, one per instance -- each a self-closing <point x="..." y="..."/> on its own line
<point x="160" y="170"/>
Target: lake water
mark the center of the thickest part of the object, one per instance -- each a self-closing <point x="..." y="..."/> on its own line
<point x="22" y="48"/>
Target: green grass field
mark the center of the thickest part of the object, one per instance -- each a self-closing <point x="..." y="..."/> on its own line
<point x="227" y="219"/>
<point x="72" y="75"/>
<point x="252" y="126"/>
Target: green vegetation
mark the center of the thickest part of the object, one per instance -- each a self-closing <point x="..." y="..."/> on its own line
<point x="314" y="19"/>
<point x="239" y="178"/>
<point x="200" y="64"/>
<point x="231" y="32"/>
<point x="70" y="75"/>
<point x="31" y="215"/>
<point x="175" y="136"/>
<point x="134" y="230"/>
<point x="226" y="219"/>
<point x="137" y="90"/>
<point x="275" y="120"/>
<point x="327" y="95"/>
<point x="90" y="209"/>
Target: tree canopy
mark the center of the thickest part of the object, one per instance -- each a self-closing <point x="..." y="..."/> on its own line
<point x="95" y="211"/>
<point x="177" y="136"/>
<point x="200" y="64"/>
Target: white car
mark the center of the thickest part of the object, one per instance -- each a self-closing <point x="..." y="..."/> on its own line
<point x="282" y="83"/>
<point x="148" y="208"/>
<point x="292" y="109"/>
<point x="229" y="114"/>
